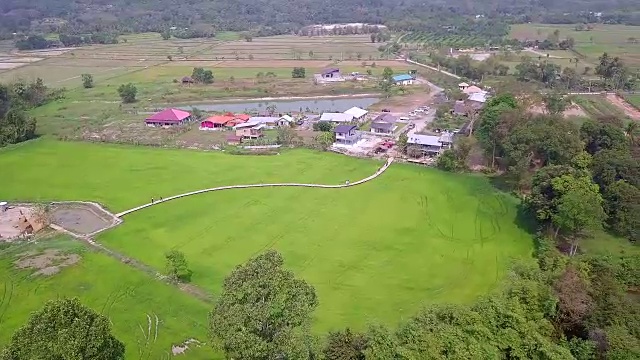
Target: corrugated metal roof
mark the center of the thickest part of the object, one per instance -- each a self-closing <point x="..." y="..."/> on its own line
<point x="402" y="77"/>
<point x="336" y="117"/>
<point x="356" y="112"/>
<point x="428" y="140"/>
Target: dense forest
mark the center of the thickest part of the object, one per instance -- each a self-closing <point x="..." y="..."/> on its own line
<point x="285" y="16"/>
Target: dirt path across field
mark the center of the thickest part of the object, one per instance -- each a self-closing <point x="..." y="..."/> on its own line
<point x="623" y="105"/>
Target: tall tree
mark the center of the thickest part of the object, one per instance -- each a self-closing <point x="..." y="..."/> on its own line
<point x="263" y="311"/>
<point x="579" y="210"/>
<point x="64" y="329"/>
<point x="487" y="130"/>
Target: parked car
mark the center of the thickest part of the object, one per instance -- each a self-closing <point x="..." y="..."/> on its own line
<point x="386" y="110"/>
<point x="455" y="131"/>
<point x="411" y="126"/>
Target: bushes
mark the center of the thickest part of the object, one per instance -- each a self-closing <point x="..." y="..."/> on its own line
<point x="128" y="93"/>
<point x="323" y="126"/>
<point x="176" y="267"/>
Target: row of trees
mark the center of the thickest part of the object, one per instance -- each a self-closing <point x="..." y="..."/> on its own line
<point x="551" y="311"/>
<point x="36" y="42"/>
<point x="612" y="71"/>
<point x="466" y="67"/>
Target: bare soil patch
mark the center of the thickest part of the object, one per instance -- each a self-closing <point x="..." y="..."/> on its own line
<point x="572" y="110"/>
<point x="17" y="221"/>
<point x="182" y="348"/>
<point x="621" y="104"/>
<point x="82" y="218"/>
<point x="46" y="263"/>
<point x="11" y="65"/>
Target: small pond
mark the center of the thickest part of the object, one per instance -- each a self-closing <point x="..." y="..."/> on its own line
<point x="283" y="106"/>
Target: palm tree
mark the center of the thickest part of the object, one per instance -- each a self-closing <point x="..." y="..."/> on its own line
<point x="630" y="130"/>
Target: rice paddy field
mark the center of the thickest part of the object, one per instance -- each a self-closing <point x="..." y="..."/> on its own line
<point x="142" y="51"/>
<point x="156" y="67"/>
<point x="613" y="39"/>
<point x="134" y="301"/>
<point x="375" y="253"/>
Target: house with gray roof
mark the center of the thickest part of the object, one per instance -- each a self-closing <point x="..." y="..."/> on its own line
<point x="384" y="124"/>
<point x="346" y="134"/>
<point x="429" y="144"/>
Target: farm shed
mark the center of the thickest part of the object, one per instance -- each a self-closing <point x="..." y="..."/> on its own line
<point x="286" y="120"/>
<point x="249" y="130"/>
<point x="336" y="117"/>
<point x="357" y="113"/>
<point x="330" y="73"/>
<point x="168" y="117"/>
<point x="429" y="144"/>
<point x="403" y="79"/>
<point x="234" y="139"/>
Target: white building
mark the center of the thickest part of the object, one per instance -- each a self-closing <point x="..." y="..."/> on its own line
<point x="357" y="113"/>
<point x="336" y="117"/>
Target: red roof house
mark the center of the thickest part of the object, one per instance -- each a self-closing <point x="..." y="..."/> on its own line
<point x="168" y="117"/>
<point x="220" y="121"/>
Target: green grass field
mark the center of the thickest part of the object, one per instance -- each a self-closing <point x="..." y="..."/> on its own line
<point x="613" y="39"/>
<point x="126" y="296"/>
<point x="375" y="253"/>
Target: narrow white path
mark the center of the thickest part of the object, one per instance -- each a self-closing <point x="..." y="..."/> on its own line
<point x="375" y="175"/>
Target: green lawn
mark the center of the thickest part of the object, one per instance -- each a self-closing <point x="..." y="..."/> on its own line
<point x="376" y="252"/>
<point x="126" y="296"/>
<point x="633" y="99"/>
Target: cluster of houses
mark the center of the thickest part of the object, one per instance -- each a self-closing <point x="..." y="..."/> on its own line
<point x="245" y="126"/>
<point x="335" y="75"/>
<point x="476" y="99"/>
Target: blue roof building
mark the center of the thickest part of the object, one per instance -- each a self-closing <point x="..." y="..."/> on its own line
<point x="402" y="78"/>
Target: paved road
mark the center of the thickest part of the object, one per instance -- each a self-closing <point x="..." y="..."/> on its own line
<point x="432" y="68"/>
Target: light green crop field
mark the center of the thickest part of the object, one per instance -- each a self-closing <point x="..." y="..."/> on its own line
<point x="375" y="253"/>
<point x="125" y="295"/>
<point x="617" y="40"/>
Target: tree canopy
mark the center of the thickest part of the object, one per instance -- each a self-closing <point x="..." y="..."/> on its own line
<point x="263" y="311"/>
<point x="64" y="329"/>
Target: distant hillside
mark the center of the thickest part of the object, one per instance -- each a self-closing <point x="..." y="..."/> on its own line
<point x="283" y="16"/>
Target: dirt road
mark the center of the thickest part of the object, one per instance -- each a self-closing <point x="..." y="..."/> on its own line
<point x="623" y="105"/>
